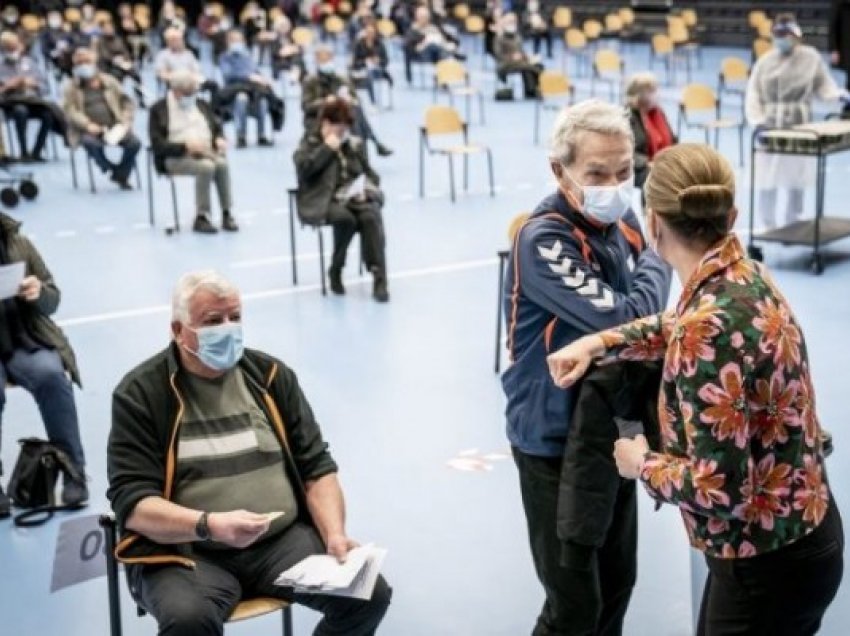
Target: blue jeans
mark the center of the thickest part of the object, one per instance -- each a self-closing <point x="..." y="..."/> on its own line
<point x="240" y="115"/>
<point x="41" y="373"/>
<point x="130" y="146"/>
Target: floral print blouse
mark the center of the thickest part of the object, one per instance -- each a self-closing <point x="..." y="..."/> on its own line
<point x="741" y="446"/>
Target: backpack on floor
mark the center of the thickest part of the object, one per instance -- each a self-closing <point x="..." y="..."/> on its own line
<point x="33" y="482"/>
<point x="505" y="94"/>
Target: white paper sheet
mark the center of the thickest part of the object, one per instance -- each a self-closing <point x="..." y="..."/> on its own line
<point x="323" y="574"/>
<point x="114" y="135"/>
<point x="357" y="188"/>
<point x="10" y="279"/>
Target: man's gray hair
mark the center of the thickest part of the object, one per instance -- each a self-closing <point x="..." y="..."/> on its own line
<point x="589" y="116"/>
<point x="193" y="282"/>
<point x="183" y="80"/>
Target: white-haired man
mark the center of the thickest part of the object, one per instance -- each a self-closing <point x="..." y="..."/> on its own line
<point x="187" y="138"/>
<point x="578" y="265"/>
<point x="219" y="477"/>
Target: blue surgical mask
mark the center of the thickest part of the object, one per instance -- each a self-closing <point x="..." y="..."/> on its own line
<point x="784" y="45"/>
<point x="236" y="47"/>
<point x="220" y="347"/>
<point x="327" y="68"/>
<point x="607" y="204"/>
<point x="186" y="102"/>
<point x="85" y="71"/>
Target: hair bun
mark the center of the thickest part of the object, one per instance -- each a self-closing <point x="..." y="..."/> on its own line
<point x="708" y="201"/>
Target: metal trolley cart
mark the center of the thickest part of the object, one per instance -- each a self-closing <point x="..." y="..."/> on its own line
<point x="815" y="139"/>
<point x="11" y="178"/>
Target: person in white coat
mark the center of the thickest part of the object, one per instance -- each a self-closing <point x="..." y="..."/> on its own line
<point x="783" y="84"/>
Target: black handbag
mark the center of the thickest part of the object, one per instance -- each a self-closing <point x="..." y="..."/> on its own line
<point x="505" y="94"/>
<point x="32" y="485"/>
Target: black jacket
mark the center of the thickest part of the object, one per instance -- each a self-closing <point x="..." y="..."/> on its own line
<point x="839" y="31"/>
<point x="363" y="51"/>
<point x="589" y="477"/>
<point x="223" y="104"/>
<point x="642" y="144"/>
<point x="158" y="132"/>
<point x="146" y="415"/>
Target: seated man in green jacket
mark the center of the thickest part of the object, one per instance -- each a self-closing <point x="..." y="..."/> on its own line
<point x="219" y="476"/>
<point x="337" y="186"/>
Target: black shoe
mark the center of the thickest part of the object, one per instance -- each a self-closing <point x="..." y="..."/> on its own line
<point x="5" y="505"/>
<point x="335" y="279"/>
<point x="75" y="493"/>
<point x="228" y="224"/>
<point x="379" y="289"/>
<point x="383" y="150"/>
<point x="265" y="141"/>
<point x="124" y="183"/>
<point x="241" y="143"/>
<point x="203" y="226"/>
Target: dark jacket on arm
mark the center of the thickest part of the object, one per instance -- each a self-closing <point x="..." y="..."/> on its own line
<point x="158" y="132"/>
<point x="147" y="411"/>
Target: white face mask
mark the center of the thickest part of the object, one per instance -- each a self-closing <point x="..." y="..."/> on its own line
<point x="606" y="204"/>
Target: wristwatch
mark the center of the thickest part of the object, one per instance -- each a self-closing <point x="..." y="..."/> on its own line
<point x="202" y="528"/>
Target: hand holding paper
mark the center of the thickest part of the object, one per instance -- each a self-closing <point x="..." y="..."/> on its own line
<point x="11" y="279"/>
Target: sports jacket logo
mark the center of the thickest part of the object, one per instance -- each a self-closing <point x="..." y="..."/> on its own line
<point x="600" y="296"/>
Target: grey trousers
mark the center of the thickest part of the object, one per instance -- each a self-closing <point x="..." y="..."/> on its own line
<point x="768" y="206"/>
<point x="205" y="170"/>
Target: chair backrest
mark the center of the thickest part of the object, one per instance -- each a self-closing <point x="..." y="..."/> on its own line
<point x="607" y="61"/>
<point x="678" y="32"/>
<point x="450" y="71"/>
<point x="662" y="44"/>
<point x="613" y="23"/>
<point x="474" y="24"/>
<point x="387" y="28"/>
<point x="575" y="39"/>
<point x="562" y="18"/>
<point x="755" y="18"/>
<point x="30" y="23"/>
<point x="765" y="29"/>
<point x="696" y="97"/>
<point x="302" y="36"/>
<point x="734" y="69"/>
<point x="461" y="11"/>
<point x="73" y="15"/>
<point x="345" y="8"/>
<point x="592" y="29"/>
<point x="552" y="83"/>
<point x="516" y="223"/>
<point x="627" y="15"/>
<point x="761" y="46"/>
<point x="334" y="24"/>
<point x="690" y="17"/>
<point x="442" y="120"/>
<point x="102" y="16"/>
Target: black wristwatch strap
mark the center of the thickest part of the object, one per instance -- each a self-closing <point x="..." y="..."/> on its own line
<point x="202" y="528"/>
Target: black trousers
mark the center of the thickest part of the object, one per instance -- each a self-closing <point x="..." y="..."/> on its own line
<point x="781" y="593"/>
<point x="348" y="220"/>
<point x="197" y="602"/>
<point x="21" y="113"/>
<point x="585" y="596"/>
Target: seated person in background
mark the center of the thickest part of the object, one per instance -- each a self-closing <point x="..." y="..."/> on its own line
<point x="363" y="14"/>
<point x="35" y="355"/>
<point x="255" y="26"/>
<point x="511" y="58"/>
<point x="95" y="104"/>
<point x="186" y="138"/>
<point x="536" y="21"/>
<point x="427" y="42"/>
<point x="209" y="519"/>
<point x="176" y="56"/>
<point x="23" y="93"/>
<point x="88" y="21"/>
<point x="170" y="17"/>
<point x="286" y="54"/>
<point x="650" y="127"/>
<point x="327" y="85"/>
<point x="370" y="59"/>
<point x="58" y="43"/>
<point x="132" y="33"/>
<point x="249" y="88"/>
<point x="114" y="58"/>
<point x="337" y="186"/>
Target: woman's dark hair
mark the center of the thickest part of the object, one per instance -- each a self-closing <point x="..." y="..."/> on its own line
<point x="692" y="187"/>
<point x="337" y="111"/>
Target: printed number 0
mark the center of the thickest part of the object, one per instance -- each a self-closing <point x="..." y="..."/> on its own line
<point x="91" y="545"/>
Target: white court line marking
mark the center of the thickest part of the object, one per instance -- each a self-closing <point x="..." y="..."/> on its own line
<point x="272" y="260"/>
<point x="65" y="233"/>
<point x="104" y="229"/>
<point x="279" y="292"/>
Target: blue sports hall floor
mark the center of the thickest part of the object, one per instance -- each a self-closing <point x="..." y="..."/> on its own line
<point x="399" y="389"/>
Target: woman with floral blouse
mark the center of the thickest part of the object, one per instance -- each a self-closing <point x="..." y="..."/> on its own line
<point x="741" y="455"/>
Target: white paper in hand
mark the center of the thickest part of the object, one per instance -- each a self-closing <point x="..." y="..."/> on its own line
<point x="11" y="277"/>
<point x="323" y="574"/>
<point x="357" y="188"/>
<point x="114" y="135"/>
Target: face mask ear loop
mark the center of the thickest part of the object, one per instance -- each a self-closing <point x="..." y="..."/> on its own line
<point x="569" y="194"/>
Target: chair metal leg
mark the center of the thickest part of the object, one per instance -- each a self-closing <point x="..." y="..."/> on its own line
<point x="465" y="172"/>
<point x="175" y="209"/>
<point x="112" y="583"/>
<point x="151" y="216"/>
<point x="451" y="177"/>
<point x="490" y="170"/>
<point x="287" y="622"/>
<point x="293" y="261"/>
<point x="421" y="167"/>
<point x="73" y="154"/>
<point x="91" y="173"/>
<point x="138" y="175"/>
<point x="481" y="107"/>
<point x="322" y="260"/>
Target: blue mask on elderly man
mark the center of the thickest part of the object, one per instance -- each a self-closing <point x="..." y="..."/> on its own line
<point x="85" y="71"/>
<point x="784" y="45"/>
<point x="186" y="102"/>
<point x="220" y="346"/>
<point x="606" y="204"/>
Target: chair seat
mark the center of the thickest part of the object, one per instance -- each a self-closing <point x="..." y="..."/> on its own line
<point x="251" y="608"/>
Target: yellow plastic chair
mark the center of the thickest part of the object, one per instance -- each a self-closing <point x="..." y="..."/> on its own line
<point x="31" y="23"/>
<point x="755" y="18"/>
<point x="608" y="67"/>
<point x="386" y="28"/>
<point x="303" y="36"/>
<point x="627" y="15"/>
<point x="73" y="15"/>
<point x="690" y="17"/>
<point x="733" y="77"/>
<point x="699" y="99"/>
<point x="765" y="29"/>
<point x="551" y="85"/>
<point x="334" y="27"/>
<point x="661" y="48"/>
<point x="345" y="8"/>
<point x="760" y="47"/>
<point x="593" y="30"/>
<point x="445" y="121"/>
<point x="461" y="12"/>
<point x="562" y="19"/>
<point x="613" y="25"/>
<point x="577" y="46"/>
<point x="452" y="77"/>
<point x="514" y="227"/>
